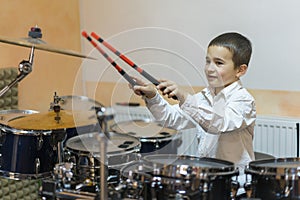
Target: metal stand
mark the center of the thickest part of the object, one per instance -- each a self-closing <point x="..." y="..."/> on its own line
<point x="25" y="67"/>
<point x="103" y="115"/>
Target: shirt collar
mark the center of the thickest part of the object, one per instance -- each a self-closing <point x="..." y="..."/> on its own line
<point x="209" y="91"/>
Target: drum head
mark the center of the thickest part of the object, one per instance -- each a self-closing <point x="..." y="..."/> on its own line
<point x="117" y="144"/>
<point x="78" y="103"/>
<point x="135" y="169"/>
<point x="188" y="166"/>
<point x="143" y="129"/>
<point x="278" y="167"/>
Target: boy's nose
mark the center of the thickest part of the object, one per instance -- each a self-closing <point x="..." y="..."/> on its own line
<point x="210" y="67"/>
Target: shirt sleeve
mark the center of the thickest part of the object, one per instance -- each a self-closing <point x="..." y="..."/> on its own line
<point x="224" y="114"/>
<point x="170" y="115"/>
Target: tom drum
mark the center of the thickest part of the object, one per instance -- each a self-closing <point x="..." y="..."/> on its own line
<point x="274" y="179"/>
<point x="84" y="152"/>
<point x="154" y="138"/>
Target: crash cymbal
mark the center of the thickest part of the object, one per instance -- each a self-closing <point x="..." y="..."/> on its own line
<point x="46" y="121"/>
<point x="41" y="45"/>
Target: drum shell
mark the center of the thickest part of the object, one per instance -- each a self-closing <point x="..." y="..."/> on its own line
<point x="275" y="178"/>
<point x="137" y="180"/>
<point x="27" y="154"/>
<point x="191" y="177"/>
<point x="87" y="162"/>
<point x="167" y="182"/>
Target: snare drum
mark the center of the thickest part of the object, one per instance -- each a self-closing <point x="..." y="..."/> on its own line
<point x="26" y="154"/>
<point x="153" y="137"/>
<point x="187" y="177"/>
<point x="83" y="150"/>
<point x="275" y="178"/>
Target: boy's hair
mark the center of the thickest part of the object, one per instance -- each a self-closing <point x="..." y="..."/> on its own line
<point x="237" y="44"/>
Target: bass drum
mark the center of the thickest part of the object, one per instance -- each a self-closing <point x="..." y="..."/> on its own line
<point x="84" y="152"/>
<point x="274" y="178"/>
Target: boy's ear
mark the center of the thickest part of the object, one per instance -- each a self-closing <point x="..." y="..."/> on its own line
<point x="241" y="70"/>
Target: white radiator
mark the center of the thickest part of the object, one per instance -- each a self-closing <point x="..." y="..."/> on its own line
<point x="278" y="137"/>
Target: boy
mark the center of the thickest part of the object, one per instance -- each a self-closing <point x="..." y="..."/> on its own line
<point x="224" y="110"/>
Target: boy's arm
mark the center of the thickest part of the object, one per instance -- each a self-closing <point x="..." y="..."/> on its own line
<point x="226" y="116"/>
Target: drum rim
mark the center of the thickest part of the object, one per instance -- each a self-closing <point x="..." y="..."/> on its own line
<point x="256" y="167"/>
<point x="20" y="176"/>
<point x="141" y="138"/>
<point x="109" y="154"/>
<point x="171" y="171"/>
<point x="133" y="163"/>
<point x="5" y="128"/>
<point x="14" y="111"/>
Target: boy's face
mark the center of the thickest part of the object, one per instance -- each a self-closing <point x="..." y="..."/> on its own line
<point x="219" y="68"/>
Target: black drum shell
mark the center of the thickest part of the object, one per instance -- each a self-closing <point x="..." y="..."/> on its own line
<point x="164" y="180"/>
<point x="87" y="161"/>
<point x="275" y="178"/>
<point x="27" y="154"/>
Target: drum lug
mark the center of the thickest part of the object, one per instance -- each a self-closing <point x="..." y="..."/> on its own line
<point x="248" y="189"/>
<point x="40" y="142"/>
<point x="288" y="188"/>
<point x="156" y="145"/>
<point x="37" y="165"/>
<point x="2" y="136"/>
<point x="204" y="189"/>
<point x="234" y="188"/>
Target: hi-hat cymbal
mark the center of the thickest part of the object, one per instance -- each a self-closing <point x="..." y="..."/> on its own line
<point x="40" y="44"/>
<point x="46" y="121"/>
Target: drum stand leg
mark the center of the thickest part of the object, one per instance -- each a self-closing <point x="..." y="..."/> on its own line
<point x="59" y="152"/>
<point x="59" y="136"/>
<point x="103" y="116"/>
<point x="103" y="175"/>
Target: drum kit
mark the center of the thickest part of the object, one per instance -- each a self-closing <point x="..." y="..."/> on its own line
<point x="75" y="154"/>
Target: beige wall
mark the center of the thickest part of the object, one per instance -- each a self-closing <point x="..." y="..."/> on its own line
<point x="268" y="102"/>
<point x="59" y="21"/>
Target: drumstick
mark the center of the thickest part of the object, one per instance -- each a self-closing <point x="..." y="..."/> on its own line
<point x="113" y="63"/>
<point x="127" y="60"/>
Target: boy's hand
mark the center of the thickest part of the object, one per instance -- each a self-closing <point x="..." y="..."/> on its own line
<point x="143" y="89"/>
<point x="171" y="89"/>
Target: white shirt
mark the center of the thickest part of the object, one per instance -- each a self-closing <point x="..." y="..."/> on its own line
<point x="226" y="122"/>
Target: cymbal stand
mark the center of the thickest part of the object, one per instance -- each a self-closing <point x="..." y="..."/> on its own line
<point x="103" y="116"/>
<point x="25" y="67"/>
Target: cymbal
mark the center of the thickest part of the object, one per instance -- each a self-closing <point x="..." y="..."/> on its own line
<point x="46" y="120"/>
<point x="41" y="45"/>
